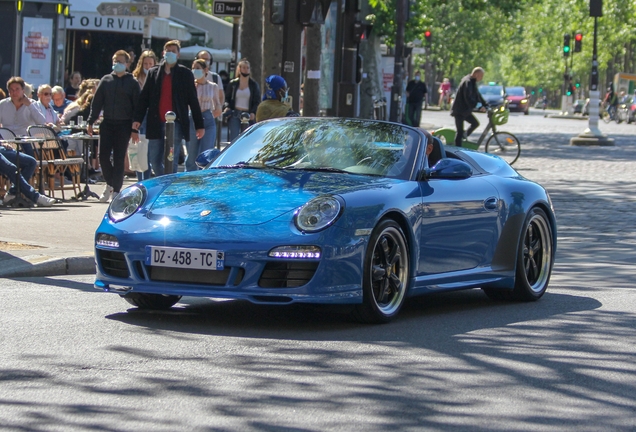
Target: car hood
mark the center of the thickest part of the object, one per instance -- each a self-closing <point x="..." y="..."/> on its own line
<point x="516" y="98"/>
<point x="244" y="196"/>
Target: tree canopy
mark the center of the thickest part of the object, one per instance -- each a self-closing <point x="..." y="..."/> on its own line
<point x="518" y="42"/>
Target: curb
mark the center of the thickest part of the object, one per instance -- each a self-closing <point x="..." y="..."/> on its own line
<point x="567" y="116"/>
<point x="54" y="267"/>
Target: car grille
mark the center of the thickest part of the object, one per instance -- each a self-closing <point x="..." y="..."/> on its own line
<point x="113" y="263"/>
<point x="193" y="276"/>
<point x="287" y="274"/>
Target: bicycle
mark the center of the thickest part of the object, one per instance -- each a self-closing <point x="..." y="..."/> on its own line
<point x="500" y="143"/>
<point x="608" y="113"/>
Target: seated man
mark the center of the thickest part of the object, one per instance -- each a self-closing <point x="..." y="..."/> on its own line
<point x="44" y="105"/>
<point x="17" y="112"/>
<point x="8" y="158"/>
<point x="59" y="100"/>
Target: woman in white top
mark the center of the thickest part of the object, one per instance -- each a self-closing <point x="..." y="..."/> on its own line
<point x="208" y="95"/>
<point x="243" y="95"/>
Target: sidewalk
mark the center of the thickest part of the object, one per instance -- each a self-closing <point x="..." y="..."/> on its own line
<point x="51" y="241"/>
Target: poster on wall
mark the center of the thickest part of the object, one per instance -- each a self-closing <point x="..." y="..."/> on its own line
<point x="327" y="58"/>
<point x="37" y="39"/>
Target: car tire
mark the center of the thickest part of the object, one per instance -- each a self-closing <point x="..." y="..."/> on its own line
<point x="535" y="259"/>
<point x="152" y="301"/>
<point x="526" y="112"/>
<point x="386" y="276"/>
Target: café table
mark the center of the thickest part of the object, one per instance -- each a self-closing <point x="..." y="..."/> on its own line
<point x="86" y="141"/>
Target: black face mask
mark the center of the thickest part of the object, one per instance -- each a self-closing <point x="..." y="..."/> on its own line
<point x="244" y="75"/>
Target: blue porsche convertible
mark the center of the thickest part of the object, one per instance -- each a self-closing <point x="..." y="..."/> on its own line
<point x="323" y="211"/>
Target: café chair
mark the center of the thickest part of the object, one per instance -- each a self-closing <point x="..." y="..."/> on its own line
<point x="55" y="161"/>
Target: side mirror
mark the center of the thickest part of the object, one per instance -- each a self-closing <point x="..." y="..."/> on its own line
<point x="449" y="169"/>
<point x="206" y="157"/>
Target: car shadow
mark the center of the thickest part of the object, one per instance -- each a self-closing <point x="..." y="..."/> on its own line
<point x="445" y="314"/>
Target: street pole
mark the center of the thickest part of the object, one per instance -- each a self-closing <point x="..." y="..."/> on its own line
<point x="235" y="41"/>
<point x="592" y="135"/>
<point x="292" y="52"/>
<point x="396" y="90"/>
<point x="347" y="86"/>
<point x="147" y="38"/>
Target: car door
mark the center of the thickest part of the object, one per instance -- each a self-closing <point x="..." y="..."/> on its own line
<point x="459" y="224"/>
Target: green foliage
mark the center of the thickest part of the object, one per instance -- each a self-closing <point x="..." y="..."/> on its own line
<point x="518" y="42"/>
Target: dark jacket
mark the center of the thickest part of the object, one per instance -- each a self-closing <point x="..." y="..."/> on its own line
<point x="255" y="94"/>
<point x="467" y="97"/>
<point x="116" y="96"/>
<point x="184" y="95"/>
<point x="416" y="91"/>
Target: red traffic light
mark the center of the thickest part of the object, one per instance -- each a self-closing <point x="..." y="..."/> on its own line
<point x="578" y="37"/>
<point x="427" y="34"/>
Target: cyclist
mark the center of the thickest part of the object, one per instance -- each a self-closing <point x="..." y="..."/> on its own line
<point x="466" y="99"/>
<point x="611" y="100"/>
<point x="444" y="93"/>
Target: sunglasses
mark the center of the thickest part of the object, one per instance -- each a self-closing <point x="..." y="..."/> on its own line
<point x="46" y="94"/>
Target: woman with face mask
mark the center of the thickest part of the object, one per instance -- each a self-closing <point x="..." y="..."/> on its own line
<point x="146" y="61"/>
<point x="208" y="95"/>
<point x="243" y="95"/>
<point x="117" y="95"/>
<point x="274" y="103"/>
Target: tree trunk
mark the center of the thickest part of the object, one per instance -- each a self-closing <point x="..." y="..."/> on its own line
<point x="251" y="45"/>
<point x="272" y="46"/>
<point x="371" y="85"/>
<point x="311" y="100"/>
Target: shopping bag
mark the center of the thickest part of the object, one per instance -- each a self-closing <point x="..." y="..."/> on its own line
<point x="133" y="151"/>
<point x="138" y="154"/>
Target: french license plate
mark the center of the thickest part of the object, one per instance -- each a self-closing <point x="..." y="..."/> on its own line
<point x="186" y="258"/>
<point x="512" y="105"/>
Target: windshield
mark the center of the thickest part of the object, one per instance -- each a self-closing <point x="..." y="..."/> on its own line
<point x="491" y="90"/>
<point x="515" y="91"/>
<point x="321" y="144"/>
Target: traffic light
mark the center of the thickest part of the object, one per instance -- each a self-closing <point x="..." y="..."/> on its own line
<point x="566" y="45"/>
<point x="577" y="85"/>
<point x="578" y="39"/>
<point x="428" y="36"/>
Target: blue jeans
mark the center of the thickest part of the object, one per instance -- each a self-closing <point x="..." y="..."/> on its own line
<point x="155" y="150"/>
<point x="197" y="146"/>
<point x="28" y="165"/>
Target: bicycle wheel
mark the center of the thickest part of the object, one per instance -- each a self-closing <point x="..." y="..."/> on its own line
<point x="505" y="145"/>
<point x="605" y="115"/>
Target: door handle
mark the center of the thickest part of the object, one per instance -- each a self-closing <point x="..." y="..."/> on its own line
<point x="491" y="203"/>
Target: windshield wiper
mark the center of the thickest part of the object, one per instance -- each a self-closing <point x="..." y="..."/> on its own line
<point x="322" y="169"/>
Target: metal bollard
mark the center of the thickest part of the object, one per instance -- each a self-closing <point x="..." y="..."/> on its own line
<point x="245" y="121"/>
<point x="168" y="149"/>
<point x="219" y="125"/>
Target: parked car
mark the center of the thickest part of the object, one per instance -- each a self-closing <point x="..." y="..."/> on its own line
<point x="330" y="210"/>
<point x="518" y="100"/>
<point x="578" y="106"/>
<point x="494" y="94"/>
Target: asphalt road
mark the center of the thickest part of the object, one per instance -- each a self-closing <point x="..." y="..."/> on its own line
<point x="76" y="359"/>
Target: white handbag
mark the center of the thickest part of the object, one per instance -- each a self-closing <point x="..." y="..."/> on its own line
<point x="138" y="154"/>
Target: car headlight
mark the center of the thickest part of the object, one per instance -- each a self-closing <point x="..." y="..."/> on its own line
<point x="318" y="214"/>
<point x="127" y="203"/>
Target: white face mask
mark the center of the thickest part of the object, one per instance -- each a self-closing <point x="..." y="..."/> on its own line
<point x="171" y="58"/>
<point x="417" y="77"/>
<point x="119" y="67"/>
<point x="146" y="71"/>
<point x="198" y="73"/>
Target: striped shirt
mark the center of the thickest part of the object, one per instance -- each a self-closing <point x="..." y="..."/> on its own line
<point x="208" y="94"/>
